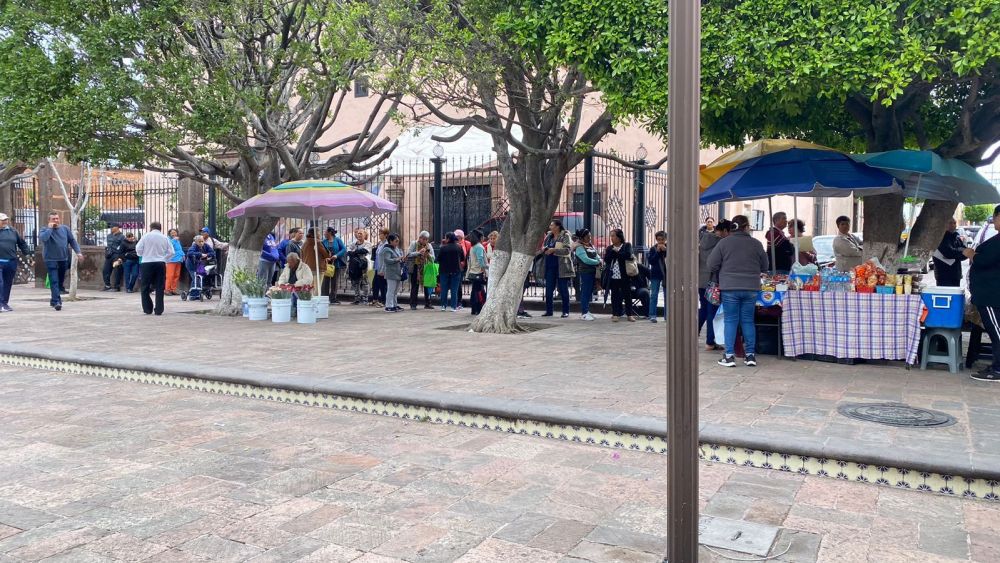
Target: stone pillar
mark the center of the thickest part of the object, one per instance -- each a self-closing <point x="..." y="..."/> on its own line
<point x="395" y="193"/>
<point x="190" y="209"/>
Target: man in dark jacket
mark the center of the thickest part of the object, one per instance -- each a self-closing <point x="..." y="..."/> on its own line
<point x="657" y="260"/>
<point x="57" y="244"/>
<point x="10" y="243"/>
<point x="113" y="251"/>
<point x="984" y="284"/>
<point x="780" y="250"/>
<point x="948" y="258"/>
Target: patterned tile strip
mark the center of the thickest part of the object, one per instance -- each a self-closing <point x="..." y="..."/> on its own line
<point x="720" y="453"/>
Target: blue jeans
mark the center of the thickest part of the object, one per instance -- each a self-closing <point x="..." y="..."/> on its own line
<point x="738" y="307"/>
<point x="56" y="271"/>
<point x="586" y="291"/>
<point x="8" y="270"/>
<point x="131" y="273"/>
<point x="654" y="297"/>
<point x="449" y="289"/>
<point x="552" y="281"/>
<point x="706" y="314"/>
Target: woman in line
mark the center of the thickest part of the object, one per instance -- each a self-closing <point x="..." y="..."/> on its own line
<point x="419" y="255"/>
<point x="707" y="311"/>
<point x="315" y="255"/>
<point x="557" y="267"/>
<point x="615" y="277"/>
<point x="477" y="271"/>
<point x="378" y="282"/>
<point x="391" y="261"/>
<point x="588" y="259"/>
<point x="450" y="263"/>
<point x="174" y="265"/>
<point x="737" y="263"/>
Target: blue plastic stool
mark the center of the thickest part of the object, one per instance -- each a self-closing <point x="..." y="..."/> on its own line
<point x="950" y="354"/>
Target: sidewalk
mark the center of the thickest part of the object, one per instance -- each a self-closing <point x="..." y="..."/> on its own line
<point x="94" y="470"/>
<point x="601" y="369"/>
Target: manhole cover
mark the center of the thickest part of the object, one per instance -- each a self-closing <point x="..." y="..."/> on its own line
<point x="896" y="414"/>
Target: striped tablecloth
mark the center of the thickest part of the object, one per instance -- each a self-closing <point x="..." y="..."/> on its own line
<point x="852" y="325"/>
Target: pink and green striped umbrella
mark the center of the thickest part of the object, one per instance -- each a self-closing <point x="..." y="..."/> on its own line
<point x="312" y="199"/>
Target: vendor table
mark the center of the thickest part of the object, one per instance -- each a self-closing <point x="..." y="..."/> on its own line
<point x="851" y="325"/>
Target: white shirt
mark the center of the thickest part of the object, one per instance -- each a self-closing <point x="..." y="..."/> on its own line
<point x="155" y="247"/>
<point x="986" y="233"/>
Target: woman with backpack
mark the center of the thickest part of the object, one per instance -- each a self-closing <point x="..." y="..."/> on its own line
<point x="619" y="262"/>
<point x="557" y="267"/>
<point x="588" y="260"/>
<point x="358" y="263"/>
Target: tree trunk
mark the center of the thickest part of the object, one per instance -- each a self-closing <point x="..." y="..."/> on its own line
<point x="244" y="253"/>
<point x="74" y="260"/>
<point x="885" y="224"/>
<point x="499" y="314"/>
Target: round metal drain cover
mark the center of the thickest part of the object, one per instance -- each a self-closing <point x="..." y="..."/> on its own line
<point x="896" y="414"/>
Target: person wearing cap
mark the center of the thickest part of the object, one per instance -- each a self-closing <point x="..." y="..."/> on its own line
<point x="57" y="242"/>
<point x="10" y="243"/>
<point x="113" y="252"/>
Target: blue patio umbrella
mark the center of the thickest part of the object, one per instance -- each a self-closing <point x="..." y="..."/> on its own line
<point x="812" y="172"/>
<point x="927" y="175"/>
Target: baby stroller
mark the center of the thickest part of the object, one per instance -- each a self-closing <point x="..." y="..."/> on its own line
<point x="204" y="279"/>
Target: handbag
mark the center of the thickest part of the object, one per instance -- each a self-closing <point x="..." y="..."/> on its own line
<point x="712" y="294"/>
<point x="330" y="271"/>
<point x="631" y="268"/>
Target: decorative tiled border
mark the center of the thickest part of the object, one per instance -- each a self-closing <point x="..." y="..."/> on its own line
<point x="844" y="470"/>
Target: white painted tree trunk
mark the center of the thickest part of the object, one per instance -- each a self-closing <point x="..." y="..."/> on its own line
<point x="499" y="314"/>
<point x="230" y="302"/>
<point x="74" y="260"/>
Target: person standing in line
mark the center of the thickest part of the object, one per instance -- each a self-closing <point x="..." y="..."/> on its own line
<point x="337" y="251"/>
<point x="557" y="266"/>
<point x="314" y="254"/>
<point x="10" y="243"/>
<point x="391" y="260"/>
<point x="846" y="247"/>
<point x="156" y="250"/>
<point x="57" y="240"/>
<point x="270" y="256"/>
<point x="358" y="264"/>
<point x="175" y="262"/>
<point x="418" y="256"/>
<point x="657" y="260"/>
<point x="477" y="272"/>
<point x="737" y="262"/>
<point x="112" y="255"/>
<point x="707" y="227"/>
<point x="130" y="262"/>
<point x="587" y="259"/>
<point x="289" y="245"/>
<point x="379" y="287"/>
<point x="984" y="285"/>
<point x="615" y="276"/>
<point x="466" y="246"/>
<point x="450" y="261"/>
<point x="948" y="257"/>
<point x="783" y="250"/>
<point x="707" y="311"/>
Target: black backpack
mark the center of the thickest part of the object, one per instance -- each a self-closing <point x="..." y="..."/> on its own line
<point x="357" y="265"/>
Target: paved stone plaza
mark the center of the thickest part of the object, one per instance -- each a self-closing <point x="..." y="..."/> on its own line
<point x="781" y="403"/>
<point x="96" y="470"/>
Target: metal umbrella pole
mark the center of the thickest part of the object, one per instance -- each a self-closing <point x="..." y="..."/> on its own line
<point x="770" y="214"/>
<point x="913" y="212"/>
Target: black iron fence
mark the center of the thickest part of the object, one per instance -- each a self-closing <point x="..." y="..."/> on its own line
<point x="24" y="217"/>
<point x="132" y="205"/>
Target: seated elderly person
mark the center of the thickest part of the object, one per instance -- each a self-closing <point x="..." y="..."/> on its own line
<point x="296" y="274"/>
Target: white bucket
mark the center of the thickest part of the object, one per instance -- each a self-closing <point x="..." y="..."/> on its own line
<point x="281" y="310"/>
<point x="322" y="308"/>
<point x="306" y="312"/>
<point x="256" y="308"/>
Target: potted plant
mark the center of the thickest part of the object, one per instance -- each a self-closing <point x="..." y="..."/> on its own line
<point x="254" y="291"/>
<point x="305" y="311"/>
<point x="281" y="303"/>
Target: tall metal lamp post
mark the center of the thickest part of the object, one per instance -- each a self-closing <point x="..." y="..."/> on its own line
<point x="682" y="276"/>
<point x="437" y="221"/>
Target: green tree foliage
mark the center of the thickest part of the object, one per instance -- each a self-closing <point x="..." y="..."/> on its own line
<point x="859" y="76"/>
<point x="977" y="214"/>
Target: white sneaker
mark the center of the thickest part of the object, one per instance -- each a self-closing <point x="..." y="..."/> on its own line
<point x="589" y="317"/>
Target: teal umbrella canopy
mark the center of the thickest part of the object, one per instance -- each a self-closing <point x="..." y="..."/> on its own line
<point x="926" y="175"/>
